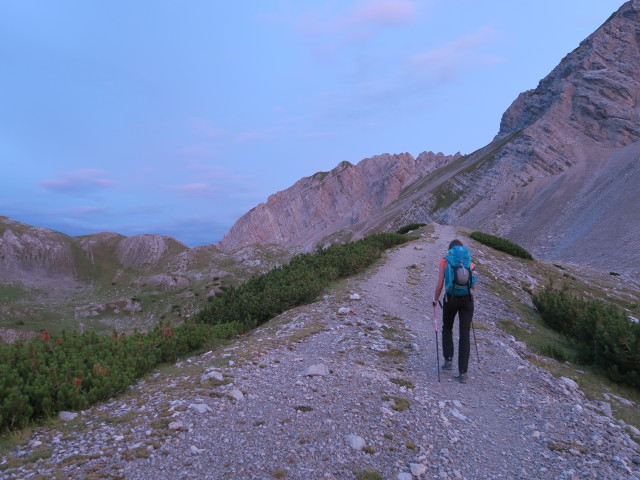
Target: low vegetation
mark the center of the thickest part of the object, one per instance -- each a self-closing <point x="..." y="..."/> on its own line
<point x="600" y="332"/>
<point x="263" y="297"/>
<point x="410" y="228"/>
<point x="501" y="244"/>
<point x="40" y="378"/>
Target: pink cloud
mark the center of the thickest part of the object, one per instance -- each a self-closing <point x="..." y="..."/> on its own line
<point x="359" y="22"/>
<point x="203" y="149"/>
<point x="251" y="137"/>
<point x="79" y="211"/>
<point x="448" y="59"/>
<point x="192" y="189"/>
<point x="388" y="13"/>
<point x="78" y="181"/>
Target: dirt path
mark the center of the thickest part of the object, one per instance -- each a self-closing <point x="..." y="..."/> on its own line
<point x="345" y="386"/>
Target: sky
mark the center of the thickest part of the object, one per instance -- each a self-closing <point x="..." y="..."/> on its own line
<point x="177" y="118"/>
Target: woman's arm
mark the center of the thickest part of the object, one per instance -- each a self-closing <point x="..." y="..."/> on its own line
<point x="440" y="284"/>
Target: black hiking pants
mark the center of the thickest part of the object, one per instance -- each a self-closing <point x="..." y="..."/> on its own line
<point x="463" y="306"/>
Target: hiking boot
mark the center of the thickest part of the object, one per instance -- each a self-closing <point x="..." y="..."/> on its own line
<point x="461" y="377"/>
<point x="447" y="365"/>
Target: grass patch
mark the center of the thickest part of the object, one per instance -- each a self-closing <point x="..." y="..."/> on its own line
<point x="403" y="383"/>
<point x="565" y="446"/>
<point x="393" y="354"/>
<point x="400" y="404"/>
<point x="368" y="474"/>
<point x="303" y="408"/>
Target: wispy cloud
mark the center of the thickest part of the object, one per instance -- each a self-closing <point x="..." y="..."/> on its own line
<point x="203" y="127"/>
<point x="357" y="23"/>
<point x="79" y="181"/>
<point x="193" y="189"/>
<point x="78" y="211"/>
<point x="382" y="13"/>
<point x="450" y="59"/>
<point x="203" y="149"/>
<point x="254" y="136"/>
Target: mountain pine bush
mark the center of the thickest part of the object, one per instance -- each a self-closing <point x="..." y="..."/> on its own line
<point x="501" y="244"/>
<point x="72" y="371"/>
<point x="410" y="227"/>
<point x="301" y="281"/>
<point x="601" y="332"/>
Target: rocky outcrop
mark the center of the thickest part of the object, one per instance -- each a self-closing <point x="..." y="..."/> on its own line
<point x="142" y="249"/>
<point x="31" y="253"/>
<point x="326" y="202"/>
<point x="559" y="175"/>
<point x="565" y="183"/>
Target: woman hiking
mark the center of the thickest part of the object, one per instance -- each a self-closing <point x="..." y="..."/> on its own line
<point x="457" y="278"/>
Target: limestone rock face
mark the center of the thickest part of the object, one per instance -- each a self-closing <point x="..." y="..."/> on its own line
<point x="33" y="252"/>
<point x="141" y="249"/>
<point x="560" y="177"/>
<point x="565" y="182"/>
<point x="326" y="202"/>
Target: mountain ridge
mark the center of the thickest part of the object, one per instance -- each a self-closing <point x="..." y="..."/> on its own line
<point x="549" y="165"/>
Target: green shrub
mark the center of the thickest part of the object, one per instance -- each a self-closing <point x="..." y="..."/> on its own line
<point x="410" y="227"/>
<point x="44" y="376"/>
<point x="602" y="333"/>
<point x="70" y="372"/>
<point x="301" y="281"/>
<point x="501" y="244"/>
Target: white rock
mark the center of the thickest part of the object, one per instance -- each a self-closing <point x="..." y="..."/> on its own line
<point x="404" y="476"/>
<point x="67" y="416"/>
<point x="457" y="414"/>
<point x="570" y="383"/>
<point x="318" y="369"/>
<point x="356" y="442"/>
<point x="344" y="310"/>
<point x="200" y="407"/>
<point x="634" y="430"/>
<point x="176" y="426"/>
<point x="236" y="394"/>
<point x="213" y="374"/>
<point x="417" y="469"/>
<point x="196" y="451"/>
<point x="605" y="407"/>
<point x="354" y="296"/>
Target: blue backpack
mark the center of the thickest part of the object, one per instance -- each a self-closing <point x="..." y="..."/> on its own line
<point x="458" y="273"/>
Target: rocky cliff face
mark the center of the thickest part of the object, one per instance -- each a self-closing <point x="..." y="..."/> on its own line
<point x="560" y="177"/>
<point x="32" y="253"/>
<point x="326" y="202"/>
<point x="565" y="185"/>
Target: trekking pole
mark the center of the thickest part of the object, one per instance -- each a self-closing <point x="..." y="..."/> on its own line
<point x="475" y="341"/>
<point x="435" y="324"/>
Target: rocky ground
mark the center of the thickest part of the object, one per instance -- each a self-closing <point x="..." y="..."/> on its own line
<point x="345" y="388"/>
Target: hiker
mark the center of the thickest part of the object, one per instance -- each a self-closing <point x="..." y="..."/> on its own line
<point x="458" y="299"/>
